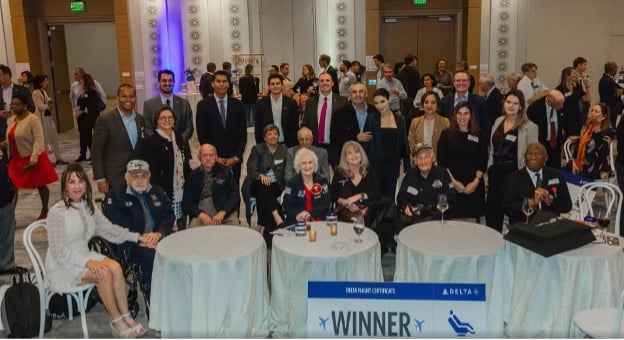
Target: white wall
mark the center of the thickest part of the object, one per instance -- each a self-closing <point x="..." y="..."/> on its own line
<point x="93" y="46"/>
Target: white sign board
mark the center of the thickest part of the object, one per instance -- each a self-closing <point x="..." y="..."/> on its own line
<point x="405" y="310"/>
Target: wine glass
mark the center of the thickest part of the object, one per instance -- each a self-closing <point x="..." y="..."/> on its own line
<point x="527" y="208"/>
<point x="358" y="228"/>
<point x="603" y="224"/>
<point x="442" y="205"/>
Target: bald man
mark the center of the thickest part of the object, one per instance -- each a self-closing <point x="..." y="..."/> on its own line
<point x="547" y="113"/>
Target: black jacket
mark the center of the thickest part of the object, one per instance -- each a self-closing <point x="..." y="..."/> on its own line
<point x="294" y="199"/>
<point x="125" y="209"/>
<point x="158" y="153"/>
<point x="225" y="193"/>
<point x="289" y="121"/>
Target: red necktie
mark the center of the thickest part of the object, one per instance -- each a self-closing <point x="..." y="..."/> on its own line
<point x="321" y="127"/>
<point x="553" y="131"/>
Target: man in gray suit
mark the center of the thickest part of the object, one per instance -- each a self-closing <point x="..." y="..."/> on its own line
<point x="305" y="138"/>
<point x="180" y="106"/>
<point x="118" y="137"/>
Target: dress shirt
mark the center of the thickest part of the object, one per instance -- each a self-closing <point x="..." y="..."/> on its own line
<point x="276" y="109"/>
<point x="328" y="114"/>
<point x="395" y="100"/>
<point x="552" y="116"/>
<point x="164" y="100"/>
<point x="7" y="93"/>
<point x="461" y="99"/>
<point x="428" y="131"/>
<point x="131" y="127"/>
<point x="533" y="177"/>
<point x="225" y="103"/>
<point x="361" y="116"/>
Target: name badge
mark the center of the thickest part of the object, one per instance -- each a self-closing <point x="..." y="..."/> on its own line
<point x="511" y="138"/>
<point x="279" y="161"/>
<point x="553" y="181"/>
<point x="473" y="138"/>
<point x="412" y="190"/>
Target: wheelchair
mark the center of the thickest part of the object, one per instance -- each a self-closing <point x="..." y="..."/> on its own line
<point x="131" y="269"/>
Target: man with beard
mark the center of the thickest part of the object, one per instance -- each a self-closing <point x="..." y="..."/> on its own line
<point x="348" y="124"/>
<point x="180" y="107"/>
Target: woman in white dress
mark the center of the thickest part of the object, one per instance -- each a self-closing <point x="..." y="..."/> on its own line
<point x="69" y="263"/>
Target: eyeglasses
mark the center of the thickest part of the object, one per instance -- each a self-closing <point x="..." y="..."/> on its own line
<point x="461" y="80"/>
<point x="165" y="118"/>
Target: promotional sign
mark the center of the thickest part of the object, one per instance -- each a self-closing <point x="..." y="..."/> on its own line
<point x="406" y="310"/>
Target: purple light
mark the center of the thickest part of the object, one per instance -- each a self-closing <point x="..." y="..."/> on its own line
<point x="172" y="42"/>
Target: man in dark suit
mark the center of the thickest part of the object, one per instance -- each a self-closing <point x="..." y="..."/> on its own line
<point x="118" y="137"/>
<point x="324" y="61"/>
<point x="9" y="89"/>
<point x="409" y="77"/>
<point x="493" y="97"/>
<point x="348" y="123"/>
<point x="221" y="122"/>
<point x="547" y="114"/>
<point x="181" y="107"/>
<point x="546" y="188"/>
<point x="205" y="82"/>
<point x="461" y="81"/>
<point x="275" y="108"/>
<point x="610" y="92"/>
<point x="318" y="114"/>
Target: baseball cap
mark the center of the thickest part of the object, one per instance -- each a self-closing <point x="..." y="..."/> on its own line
<point x="137" y="165"/>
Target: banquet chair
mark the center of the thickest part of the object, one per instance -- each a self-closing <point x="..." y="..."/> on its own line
<point x="568" y="150"/>
<point x="613" y="200"/>
<point x="80" y="293"/>
<point x="601" y="322"/>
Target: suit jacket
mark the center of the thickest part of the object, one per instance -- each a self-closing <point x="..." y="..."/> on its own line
<point x="111" y="149"/>
<point x="225" y="192"/>
<point x="321" y="154"/>
<point x="334" y="74"/>
<point x="417" y="131"/>
<point x="606" y="90"/>
<point x="538" y="115"/>
<point x="519" y="185"/>
<point x="31" y="107"/>
<point x="410" y="78"/>
<point x="205" y="84"/>
<point x="289" y="123"/>
<point x="478" y="108"/>
<point x="527" y="134"/>
<point x="230" y="140"/>
<point x="183" y="113"/>
<point x="310" y="115"/>
<point x="344" y="124"/>
<point x="494" y="103"/>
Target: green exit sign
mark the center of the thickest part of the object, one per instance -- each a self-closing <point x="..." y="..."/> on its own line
<point x="77" y="6"/>
<point x="419" y="2"/>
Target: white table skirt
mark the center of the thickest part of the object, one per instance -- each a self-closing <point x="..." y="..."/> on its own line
<point x="456" y="251"/>
<point x="296" y="260"/>
<point x="546" y="292"/>
<point x="210" y="282"/>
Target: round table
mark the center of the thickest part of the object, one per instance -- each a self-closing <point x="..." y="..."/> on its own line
<point x="455" y="252"/>
<point x="296" y="260"/>
<point x="210" y="282"/>
<point x="546" y="292"/>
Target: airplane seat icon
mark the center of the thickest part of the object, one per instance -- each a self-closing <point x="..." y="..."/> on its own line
<point x="460" y="328"/>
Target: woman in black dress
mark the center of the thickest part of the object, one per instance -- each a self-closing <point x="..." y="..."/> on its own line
<point x="462" y="150"/>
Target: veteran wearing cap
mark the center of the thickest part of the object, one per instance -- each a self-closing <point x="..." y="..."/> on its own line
<point x="421" y="187"/>
<point x="211" y="195"/>
<point x="142" y="208"/>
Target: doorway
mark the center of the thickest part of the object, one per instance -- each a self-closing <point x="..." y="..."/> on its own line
<point x="429" y="37"/>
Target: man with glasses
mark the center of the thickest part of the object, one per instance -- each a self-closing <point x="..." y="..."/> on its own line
<point x="305" y="138"/>
<point x="180" y="107"/>
<point x="461" y="82"/>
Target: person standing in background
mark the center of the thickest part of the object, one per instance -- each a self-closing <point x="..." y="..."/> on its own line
<point x="42" y="109"/>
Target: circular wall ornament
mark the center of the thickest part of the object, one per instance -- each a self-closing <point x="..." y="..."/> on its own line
<point x="152" y="10"/>
<point x="155" y="61"/>
<point x="236" y="34"/>
<point x="503" y="28"/>
<point x="153" y="23"/>
<point x="341" y="56"/>
<point x="196" y="48"/>
<point x="503" y="15"/>
<point x="502" y="66"/>
<point x="341" y="19"/>
<point x="194" y="22"/>
<point x="193" y="9"/>
<point x="234" y="21"/>
<point x="502" y="54"/>
<point x="197" y="60"/>
<point x="155" y="48"/>
<point x="504" y="3"/>
<point x="502" y="78"/>
<point x="154" y="35"/>
<point x="341" y="45"/>
<point x="341" y="32"/>
<point x="341" y="6"/>
<point x="236" y="47"/>
<point x="234" y="8"/>
<point x="195" y="35"/>
<point x="503" y="41"/>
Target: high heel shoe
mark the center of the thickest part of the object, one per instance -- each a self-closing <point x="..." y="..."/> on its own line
<point x="139" y="329"/>
<point x="127" y="333"/>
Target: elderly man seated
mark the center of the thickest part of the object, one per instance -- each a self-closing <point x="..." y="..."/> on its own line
<point x="545" y="188"/>
<point x="142" y="208"/>
<point x="421" y="188"/>
<point x="211" y="195"/>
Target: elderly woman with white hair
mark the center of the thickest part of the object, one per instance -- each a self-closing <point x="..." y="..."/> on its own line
<point x="306" y="195"/>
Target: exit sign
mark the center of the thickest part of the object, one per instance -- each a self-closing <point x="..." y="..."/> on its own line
<point x="77" y="6"/>
<point x="419" y="2"/>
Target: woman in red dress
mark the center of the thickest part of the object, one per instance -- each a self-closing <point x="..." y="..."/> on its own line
<point x="29" y="165"/>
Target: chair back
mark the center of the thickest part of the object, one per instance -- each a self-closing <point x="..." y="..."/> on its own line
<point x="568" y="150"/>
<point x="398" y="187"/>
<point x="33" y="254"/>
<point x="613" y="199"/>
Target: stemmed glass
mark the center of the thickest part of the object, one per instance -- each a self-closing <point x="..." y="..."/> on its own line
<point x="527" y="208"/>
<point x="442" y="205"/>
<point x="603" y="223"/>
<point x="358" y="227"/>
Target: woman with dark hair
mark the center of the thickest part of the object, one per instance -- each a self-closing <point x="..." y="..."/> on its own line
<point x="574" y="95"/>
<point x="511" y="133"/>
<point x="592" y="150"/>
<point x="69" y="263"/>
<point x="168" y="157"/>
<point x="428" y="127"/>
<point x="463" y="151"/>
<point x="248" y="87"/>
<point x="306" y="84"/>
<point x="29" y="165"/>
<point x="427" y="81"/>
<point x="89" y="104"/>
<point x="42" y="109"/>
<point x="27" y="80"/>
<point x="265" y="180"/>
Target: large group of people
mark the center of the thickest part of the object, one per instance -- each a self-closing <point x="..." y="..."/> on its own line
<point x="320" y="147"/>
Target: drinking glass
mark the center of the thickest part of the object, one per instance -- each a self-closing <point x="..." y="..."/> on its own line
<point x="332" y="222"/>
<point x="603" y="224"/>
<point x="358" y="228"/>
<point x="527" y="208"/>
<point x="442" y="205"/>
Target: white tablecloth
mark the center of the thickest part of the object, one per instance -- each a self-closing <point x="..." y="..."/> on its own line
<point x="193" y="99"/>
<point x="546" y="292"/>
<point x="211" y="282"/>
<point x="456" y="252"/>
<point x="296" y="260"/>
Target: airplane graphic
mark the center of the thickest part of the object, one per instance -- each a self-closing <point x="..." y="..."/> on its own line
<point x="418" y="324"/>
<point x="323" y="322"/>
